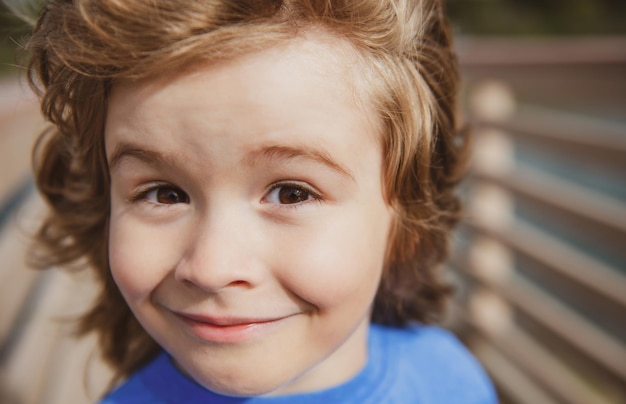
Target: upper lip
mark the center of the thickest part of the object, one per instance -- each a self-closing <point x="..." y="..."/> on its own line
<point x="225" y="321"/>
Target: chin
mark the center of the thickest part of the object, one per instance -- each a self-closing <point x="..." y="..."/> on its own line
<point x="238" y="385"/>
<point x="245" y="390"/>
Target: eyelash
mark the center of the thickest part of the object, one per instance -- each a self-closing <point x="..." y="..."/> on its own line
<point x="314" y="196"/>
<point x="141" y="194"/>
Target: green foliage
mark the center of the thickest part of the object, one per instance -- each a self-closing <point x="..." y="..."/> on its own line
<point x="470" y="17"/>
<point x="538" y="17"/>
<point x="13" y="34"/>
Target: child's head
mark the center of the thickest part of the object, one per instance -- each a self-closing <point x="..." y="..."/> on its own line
<point x="224" y="162"/>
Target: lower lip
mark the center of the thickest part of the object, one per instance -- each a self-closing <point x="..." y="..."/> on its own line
<point x="227" y="334"/>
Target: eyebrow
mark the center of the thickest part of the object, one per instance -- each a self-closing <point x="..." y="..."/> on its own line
<point x="287" y="153"/>
<point x="151" y="157"/>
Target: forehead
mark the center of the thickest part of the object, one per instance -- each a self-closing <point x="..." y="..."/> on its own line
<point x="329" y="55"/>
<point x="317" y="65"/>
<point x="295" y="87"/>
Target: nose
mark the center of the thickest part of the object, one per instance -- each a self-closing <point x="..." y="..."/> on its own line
<point x="221" y="252"/>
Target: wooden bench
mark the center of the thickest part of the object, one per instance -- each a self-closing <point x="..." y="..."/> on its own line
<point x="40" y="360"/>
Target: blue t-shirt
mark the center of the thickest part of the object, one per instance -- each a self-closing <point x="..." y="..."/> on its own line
<point x="420" y="364"/>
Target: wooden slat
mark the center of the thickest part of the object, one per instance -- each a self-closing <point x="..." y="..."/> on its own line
<point x="47" y="364"/>
<point x="20" y="124"/>
<point x="568" y="325"/>
<point x="559" y="256"/>
<point x="601" y="278"/>
<point x="16" y="281"/>
<point x="581" y="75"/>
<point x="561" y="194"/>
<point x="538" y="361"/>
<point x="77" y="373"/>
<point x="520" y="364"/>
<point x="587" y="139"/>
<point x="26" y="367"/>
<point x="510" y="378"/>
<point x="489" y="52"/>
<point x="567" y="128"/>
<point x="525" y="369"/>
<point x="41" y="361"/>
<point x="572" y="327"/>
<point x="530" y="365"/>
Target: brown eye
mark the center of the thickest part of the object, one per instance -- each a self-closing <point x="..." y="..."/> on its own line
<point x="289" y="195"/>
<point x="168" y="196"/>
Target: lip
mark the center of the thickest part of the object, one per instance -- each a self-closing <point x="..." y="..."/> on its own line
<point x="227" y="330"/>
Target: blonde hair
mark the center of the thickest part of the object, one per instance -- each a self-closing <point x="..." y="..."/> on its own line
<point x="79" y="47"/>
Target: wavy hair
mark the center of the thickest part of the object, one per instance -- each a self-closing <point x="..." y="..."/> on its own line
<point x="80" y="47"/>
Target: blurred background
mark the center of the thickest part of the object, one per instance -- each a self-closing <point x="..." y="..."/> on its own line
<point x="539" y="262"/>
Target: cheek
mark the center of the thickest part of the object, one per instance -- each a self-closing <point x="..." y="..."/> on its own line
<point x="138" y="258"/>
<point x="339" y="261"/>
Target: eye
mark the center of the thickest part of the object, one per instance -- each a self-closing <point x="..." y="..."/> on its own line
<point x="290" y="194"/>
<point x="164" y="195"/>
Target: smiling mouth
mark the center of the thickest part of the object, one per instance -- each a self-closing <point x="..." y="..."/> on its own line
<point x="227" y="329"/>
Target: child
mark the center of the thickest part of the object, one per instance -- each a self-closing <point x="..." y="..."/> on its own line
<point x="264" y="190"/>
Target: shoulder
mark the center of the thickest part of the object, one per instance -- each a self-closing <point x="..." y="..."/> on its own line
<point x="432" y="364"/>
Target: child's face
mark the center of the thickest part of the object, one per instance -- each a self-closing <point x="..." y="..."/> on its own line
<point x="248" y="229"/>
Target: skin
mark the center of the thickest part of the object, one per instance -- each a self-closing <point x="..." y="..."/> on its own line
<point x="248" y="227"/>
